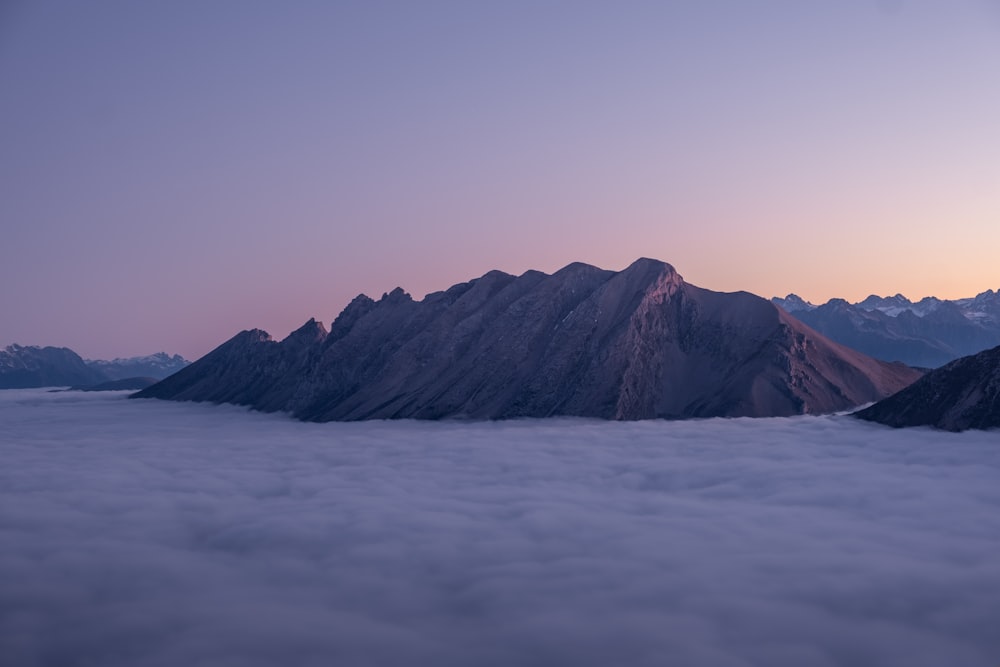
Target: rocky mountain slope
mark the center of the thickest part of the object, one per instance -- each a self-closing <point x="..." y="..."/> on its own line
<point x="633" y="344"/>
<point x="928" y="333"/>
<point x="961" y="395"/>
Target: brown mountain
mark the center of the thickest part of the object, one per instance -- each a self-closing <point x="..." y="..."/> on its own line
<point x="961" y="395"/>
<point x="634" y="344"/>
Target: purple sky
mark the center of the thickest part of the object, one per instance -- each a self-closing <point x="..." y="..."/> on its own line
<point x="174" y="172"/>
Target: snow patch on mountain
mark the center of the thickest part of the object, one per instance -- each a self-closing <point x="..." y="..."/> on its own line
<point x="792" y="303"/>
<point x="158" y="365"/>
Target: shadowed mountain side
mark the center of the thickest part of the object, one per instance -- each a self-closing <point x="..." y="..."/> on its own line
<point x="962" y="395"/>
<point x="635" y="344"/>
<point x="25" y="366"/>
<point x="249" y="369"/>
<point x="30" y="366"/>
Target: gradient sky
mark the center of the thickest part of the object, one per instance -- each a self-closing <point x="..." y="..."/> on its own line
<point x="173" y="172"/>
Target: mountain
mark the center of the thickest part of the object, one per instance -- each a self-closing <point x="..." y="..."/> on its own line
<point x="634" y="344"/>
<point x="22" y="366"/>
<point x="792" y="303"/>
<point x="158" y="366"/>
<point x="894" y="305"/>
<point x="30" y="366"/>
<point x="984" y="307"/>
<point x="928" y="333"/>
<point x="961" y="395"/>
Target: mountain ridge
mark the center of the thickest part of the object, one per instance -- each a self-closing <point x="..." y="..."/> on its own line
<point x="985" y="305"/>
<point x="583" y="341"/>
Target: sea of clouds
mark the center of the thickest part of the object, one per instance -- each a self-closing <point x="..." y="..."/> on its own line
<point x="149" y="533"/>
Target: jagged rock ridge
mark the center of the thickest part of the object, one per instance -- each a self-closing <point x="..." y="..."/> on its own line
<point x="964" y="394"/>
<point x="639" y="343"/>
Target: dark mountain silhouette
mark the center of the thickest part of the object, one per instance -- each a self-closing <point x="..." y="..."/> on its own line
<point x="26" y="366"/>
<point x="583" y="341"/>
<point x="928" y="333"/>
<point x="961" y="395"/>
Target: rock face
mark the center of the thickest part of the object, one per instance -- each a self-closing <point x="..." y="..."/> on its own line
<point x="28" y="366"/>
<point x="961" y="395"/>
<point x="640" y="343"/>
<point x="928" y="333"/>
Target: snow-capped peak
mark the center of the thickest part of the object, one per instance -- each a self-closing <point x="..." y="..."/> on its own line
<point x="792" y="303"/>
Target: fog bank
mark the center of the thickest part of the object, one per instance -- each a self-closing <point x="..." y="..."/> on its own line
<point x="148" y="533"/>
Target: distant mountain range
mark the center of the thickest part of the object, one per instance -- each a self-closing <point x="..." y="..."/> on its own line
<point x="928" y="333"/>
<point x="633" y="344"/>
<point x="961" y="395"/>
<point x="158" y="365"/>
<point x="30" y="366"/>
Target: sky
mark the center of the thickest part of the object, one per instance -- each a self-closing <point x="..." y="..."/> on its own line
<point x="154" y="534"/>
<point x="174" y="172"/>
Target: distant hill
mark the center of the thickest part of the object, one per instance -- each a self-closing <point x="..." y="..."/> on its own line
<point x="633" y="344"/>
<point x="27" y="366"/>
<point x="159" y="365"/>
<point x="964" y="394"/>
<point x="30" y="366"/>
<point x="928" y="333"/>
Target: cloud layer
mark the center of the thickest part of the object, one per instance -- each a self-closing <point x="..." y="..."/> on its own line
<point x="151" y="534"/>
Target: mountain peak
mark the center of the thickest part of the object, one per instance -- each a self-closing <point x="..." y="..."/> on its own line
<point x="649" y="262"/>
<point x="398" y="295"/>
<point x="792" y="303"/>
<point x="312" y="331"/>
<point x="986" y="296"/>
<point x="648" y="265"/>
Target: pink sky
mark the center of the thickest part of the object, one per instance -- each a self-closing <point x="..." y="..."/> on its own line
<point x="175" y="172"/>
